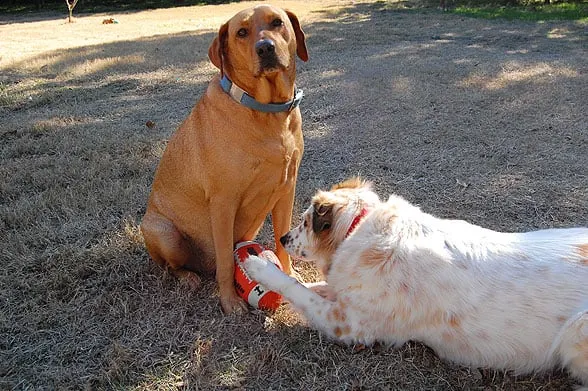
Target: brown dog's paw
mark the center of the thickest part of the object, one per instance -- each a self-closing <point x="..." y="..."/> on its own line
<point x="233" y="304"/>
<point x="193" y="281"/>
<point x="188" y="278"/>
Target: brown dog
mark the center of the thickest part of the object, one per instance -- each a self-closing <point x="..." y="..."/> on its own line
<point x="235" y="158"/>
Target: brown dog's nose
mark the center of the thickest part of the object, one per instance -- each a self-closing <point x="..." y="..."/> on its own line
<point x="265" y="47"/>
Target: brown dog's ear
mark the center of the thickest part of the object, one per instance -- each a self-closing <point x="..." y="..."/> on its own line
<point x="216" y="51"/>
<point x="300" y="38"/>
<point x="322" y="217"/>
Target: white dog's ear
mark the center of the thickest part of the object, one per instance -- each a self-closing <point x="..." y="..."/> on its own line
<point x="352" y="183"/>
<point x="322" y="217"/>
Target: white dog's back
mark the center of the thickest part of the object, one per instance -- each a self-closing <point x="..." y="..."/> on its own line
<point x="476" y="296"/>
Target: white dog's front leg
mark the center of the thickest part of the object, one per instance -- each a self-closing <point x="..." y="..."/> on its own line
<point x="328" y="316"/>
<point x="272" y="278"/>
<point x="267" y="274"/>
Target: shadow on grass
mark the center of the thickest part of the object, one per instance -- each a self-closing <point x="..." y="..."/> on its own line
<point x="470" y="96"/>
<point x="77" y="161"/>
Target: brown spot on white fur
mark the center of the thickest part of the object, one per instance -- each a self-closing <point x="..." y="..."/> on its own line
<point x="390" y="319"/>
<point x="340" y="331"/>
<point x="447" y="337"/>
<point x="354" y="287"/>
<point x="454" y="321"/>
<point x="433" y="319"/>
<point x="404" y="289"/>
<point x="338" y="314"/>
<point x="374" y="257"/>
<point x="581" y="360"/>
<point x="583" y="251"/>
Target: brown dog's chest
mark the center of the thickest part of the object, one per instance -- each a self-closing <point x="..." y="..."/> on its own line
<point x="268" y="179"/>
<point x="254" y="150"/>
<point x="266" y="173"/>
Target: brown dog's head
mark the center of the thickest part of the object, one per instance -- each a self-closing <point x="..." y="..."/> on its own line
<point x="326" y="223"/>
<point x="260" y="42"/>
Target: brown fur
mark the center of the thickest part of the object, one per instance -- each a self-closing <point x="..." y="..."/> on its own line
<point x="583" y="251"/>
<point x="351" y="183"/>
<point x="227" y="166"/>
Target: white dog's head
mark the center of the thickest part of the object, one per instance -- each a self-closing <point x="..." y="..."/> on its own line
<point x="331" y="217"/>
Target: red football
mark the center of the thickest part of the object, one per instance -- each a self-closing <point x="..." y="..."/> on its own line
<point x="251" y="291"/>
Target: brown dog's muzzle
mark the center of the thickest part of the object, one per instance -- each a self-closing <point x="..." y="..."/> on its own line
<point x="266" y="50"/>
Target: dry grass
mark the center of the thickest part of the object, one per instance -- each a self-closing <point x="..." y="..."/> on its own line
<point x="481" y="120"/>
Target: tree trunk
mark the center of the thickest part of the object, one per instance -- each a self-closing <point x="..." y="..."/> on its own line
<point x="70" y="6"/>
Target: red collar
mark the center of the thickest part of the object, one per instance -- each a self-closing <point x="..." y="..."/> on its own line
<point x="356" y="221"/>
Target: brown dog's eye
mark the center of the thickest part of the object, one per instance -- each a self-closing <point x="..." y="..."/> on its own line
<point x="242" y="33"/>
<point x="277" y="22"/>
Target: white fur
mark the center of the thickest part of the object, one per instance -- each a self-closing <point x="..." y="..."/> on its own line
<point x="477" y="297"/>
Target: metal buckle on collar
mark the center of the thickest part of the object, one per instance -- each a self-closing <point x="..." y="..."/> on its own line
<point x="236" y="92"/>
<point x="298" y="95"/>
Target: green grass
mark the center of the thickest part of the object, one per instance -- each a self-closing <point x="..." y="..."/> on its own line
<point x="535" y="13"/>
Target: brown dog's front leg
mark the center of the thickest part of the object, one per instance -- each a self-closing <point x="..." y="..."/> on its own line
<point x="281" y="221"/>
<point x="282" y="213"/>
<point x="222" y="221"/>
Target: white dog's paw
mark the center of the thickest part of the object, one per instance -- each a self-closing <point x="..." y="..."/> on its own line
<point x="266" y="273"/>
<point x="256" y="266"/>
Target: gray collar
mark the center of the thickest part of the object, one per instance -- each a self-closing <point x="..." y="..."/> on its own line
<point x="247" y="100"/>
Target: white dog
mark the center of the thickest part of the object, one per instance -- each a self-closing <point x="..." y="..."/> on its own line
<point x="477" y="297"/>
